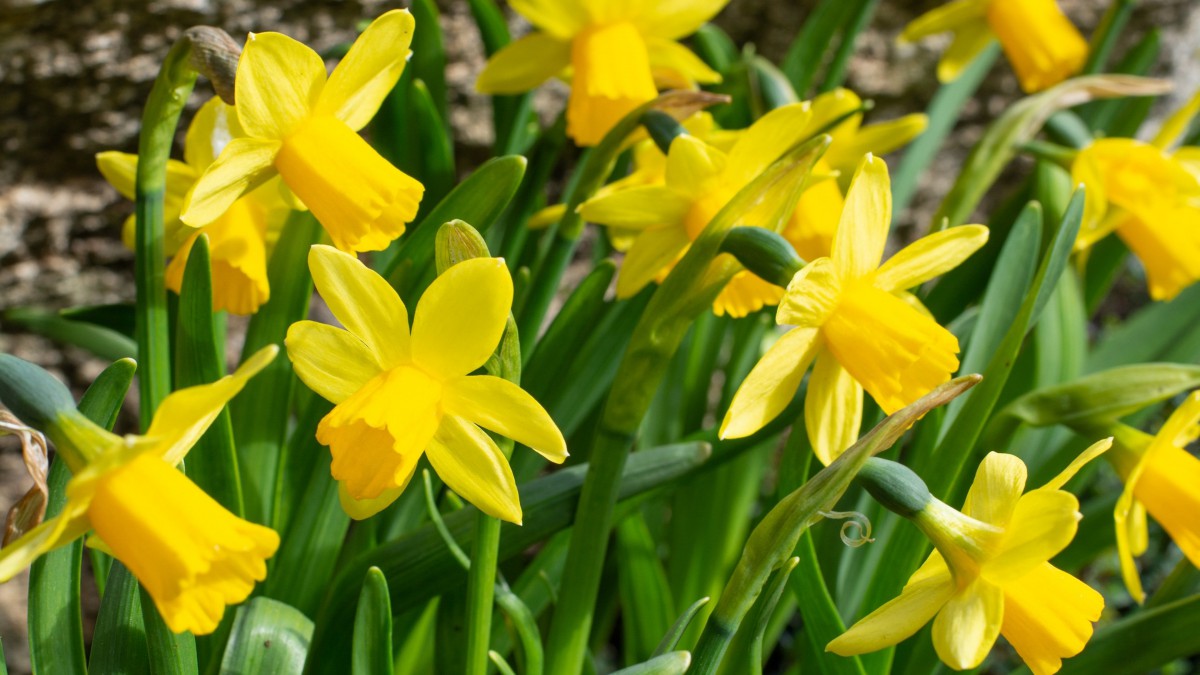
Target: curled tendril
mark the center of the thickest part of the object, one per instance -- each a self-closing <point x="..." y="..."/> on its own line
<point x="856" y="531"/>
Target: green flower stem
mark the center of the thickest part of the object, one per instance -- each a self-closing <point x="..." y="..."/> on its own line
<point x="481" y="584"/>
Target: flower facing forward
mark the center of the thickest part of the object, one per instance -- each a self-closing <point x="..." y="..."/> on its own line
<point x="240" y="238"/>
<point x="400" y="393"/>
<point x="1151" y="198"/>
<point x="855" y="320"/>
<point x="990" y="575"/>
<point x="1162" y="478"/>
<point x="617" y="54"/>
<point x="302" y="126"/>
<point x="700" y="180"/>
<point x="1042" y="45"/>
<point x="190" y="554"/>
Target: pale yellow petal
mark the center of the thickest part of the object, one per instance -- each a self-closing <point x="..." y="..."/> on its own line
<point x="45" y="537"/>
<point x="811" y="296"/>
<point x="524" y="64"/>
<point x="969" y="42"/>
<point x="361" y="509"/>
<point x="506" y="409"/>
<point x="999" y="482"/>
<point x="211" y="129"/>
<point x="1092" y="452"/>
<point x="676" y="67"/>
<point x="897" y="620"/>
<point x="652" y="253"/>
<point x="833" y="408"/>
<point x="1125" y="526"/>
<point x="461" y="317"/>
<point x="185" y="415"/>
<point x="333" y="362"/>
<point x="365" y="304"/>
<point x="674" y="19"/>
<point x="766" y="141"/>
<point x="469" y="462"/>
<point x="692" y="165"/>
<point x="1173" y="130"/>
<point x="561" y="18"/>
<point x="863" y="229"/>
<point x="1048" y="617"/>
<point x="930" y="257"/>
<point x="369" y="70"/>
<point x="879" y="139"/>
<point x="950" y="16"/>
<point x="968" y="625"/>
<point x="278" y="83"/>
<point x="772" y="384"/>
<point x="637" y="207"/>
<point x="244" y="164"/>
<point x="1042" y="525"/>
<point x="120" y="170"/>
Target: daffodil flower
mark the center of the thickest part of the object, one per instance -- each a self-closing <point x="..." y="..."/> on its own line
<point x="1161" y="477"/>
<point x="190" y="554"/>
<point x="990" y="575"/>
<point x="699" y="181"/>
<point x="240" y="239"/>
<point x="853" y="318"/>
<point x="400" y="393"/>
<point x="302" y="126"/>
<point x="1151" y="198"/>
<point x="617" y="53"/>
<point x="1042" y="44"/>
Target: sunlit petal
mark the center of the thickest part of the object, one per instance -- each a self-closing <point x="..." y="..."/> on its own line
<point x="365" y="304"/>
<point x="503" y="407"/>
<point x="469" y="462"/>
<point x="833" y="408"/>
<point x="461" y="317"/>
<point x="772" y="384"/>
<point x="333" y="362"/>
<point x="369" y="70"/>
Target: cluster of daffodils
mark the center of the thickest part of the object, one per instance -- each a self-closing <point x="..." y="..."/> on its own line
<point x="757" y="283"/>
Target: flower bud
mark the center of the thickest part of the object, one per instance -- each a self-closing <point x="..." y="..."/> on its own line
<point x="765" y="253"/>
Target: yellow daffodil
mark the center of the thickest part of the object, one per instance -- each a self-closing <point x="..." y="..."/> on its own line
<point x="1042" y="44"/>
<point x="239" y="239"/>
<point x="617" y="54"/>
<point x="400" y="393"/>
<point x="302" y="126"/>
<point x="990" y="575"/>
<point x="853" y="317"/>
<point x="699" y="180"/>
<point x="1161" y="477"/>
<point x="1151" y="198"/>
<point x="190" y="554"/>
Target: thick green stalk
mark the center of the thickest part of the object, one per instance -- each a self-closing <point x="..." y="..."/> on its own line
<point x="481" y="584"/>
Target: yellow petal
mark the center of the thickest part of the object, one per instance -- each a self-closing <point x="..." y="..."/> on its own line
<point x="278" y="83"/>
<point x="332" y="362"/>
<point x="506" y="409"/>
<point x="120" y="170"/>
<point x="369" y="70"/>
<point x="674" y="19"/>
<point x="365" y="304"/>
<point x="238" y="253"/>
<point x="813" y="224"/>
<point x="561" y="18"/>
<point x="637" y="207"/>
<point x="49" y="535"/>
<point x="213" y="126"/>
<point x="879" y="139"/>
<point x="461" y="317"/>
<point x="1092" y="452"/>
<point x="1169" y="489"/>
<point x="930" y="257"/>
<point x="812" y="295"/>
<point x="1048" y="616"/>
<point x="244" y="164"/>
<point x="1042" y="525"/>
<point x="744" y="294"/>
<point x="1173" y="130"/>
<point x="692" y="165"/>
<point x="949" y="16"/>
<point x="1167" y="242"/>
<point x="185" y="415"/>
<point x="863" y="229"/>
<point x="191" y="555"/>
<point x="897" y="620"/>
<point x="360" y="198"/>
<point x="676" y="67"/>
<point x="765" y="141"/>
<point x="361" y="509"/>
<point x="524" y="64"/>
<point x="970" y="40"/>
<point x="1041" y="43"/>
<point x="1125" y="526"/>
<point x="968" y="625"/>
<point x="469" y="462"/>
<point x="833" y="409"/>
<point x="772" y="384"/>
<point x="611" y="77"/>
<point x="652" y="252"/>
<point x="999" y="482"/>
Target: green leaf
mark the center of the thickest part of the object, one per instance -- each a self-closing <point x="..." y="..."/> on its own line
<point x="807" y="52"/>
<point x="104" y="342"/>
<point x="1112" y="117"/>
<point x="675" y="632"/>
<point x="854" y="23"/>
<point x="437" y="150"/>
<point x="822" y="623"/>
<point x="714" y="46"/>
<point x="119" y="641"/>
<point x="646" y="605"/>
<point x="674" y="663"/>
<point x="119" y="317"/>
<point x="428" y="62"/>
<point x="1105" y="36"/>
<point x="1161" y="635"/>
<point x="55" y="615"/>
<point x="268" y="637"/>
<point x="373" y="627"/>
<point x="1149" y="334"/>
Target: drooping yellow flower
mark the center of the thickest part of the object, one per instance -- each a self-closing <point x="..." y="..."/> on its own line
<point x="401" y="394"/>
<point x="302" y="126"/>
<point x="239" y="239"/>
<point x="852" y="316"/>
<point x="617" y="53"/>
<point x="699" y="181"/>
<point x="190" y="554"/>
<point x="1163" y="478"/>
<point x="1151" y="198"/>
<point x="990" y="575"/>
<point x="1042" y="44"/>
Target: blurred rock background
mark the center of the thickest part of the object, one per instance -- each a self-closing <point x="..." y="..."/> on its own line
<point x="74" y="76"/>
